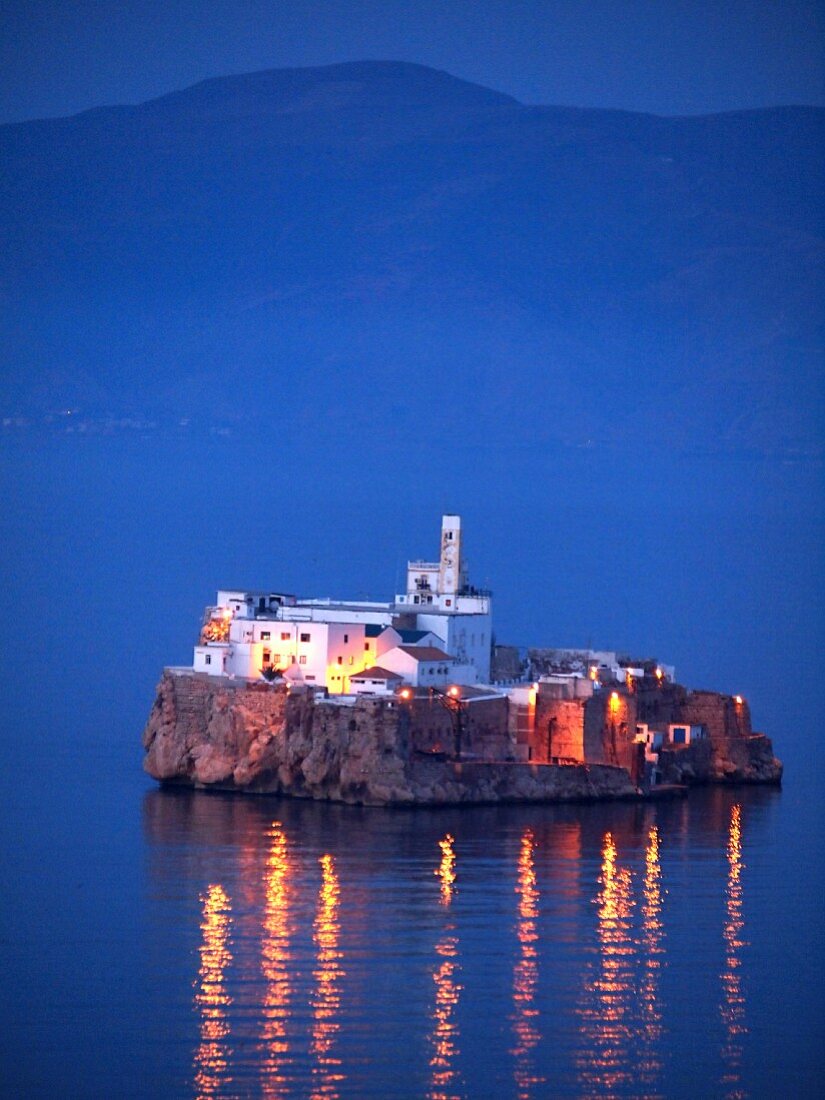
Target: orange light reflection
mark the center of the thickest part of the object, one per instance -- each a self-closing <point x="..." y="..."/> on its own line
<point x="212" y="999"/>
<point x="650" y="1062"/>
<point x="444" y="1076"/>
<point x="606" y="1064"/>
<point x="733" y="998"/>
<point x="525" y="976"/>
<point x="275" y="960"/>
<point x="326" y="1002"/>
<point x="446" y="869"/>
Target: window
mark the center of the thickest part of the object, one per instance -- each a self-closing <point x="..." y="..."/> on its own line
<point x="276" y="658"/>
<point x="285" y="636"/>
<point x="267" y="657"/>
<point x="352" y="660"/>
<point x="303" y="659"/>
<point x="449" y="603"/>
<point x="346" y="638"/>
<point x="265" y="635"/>
<point x="207" y="659"/>
<point x="366" y="647"/>
<point x="292" y="659"/>
<point x="416" y="599"/>
<point x="306" y="638"/>
<point x="340" y="660"/>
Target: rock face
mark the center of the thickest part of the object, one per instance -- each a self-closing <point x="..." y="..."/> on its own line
<point x="732" y="753"/>
<point x="747" y="759"/>
<point x="259" y="738"/>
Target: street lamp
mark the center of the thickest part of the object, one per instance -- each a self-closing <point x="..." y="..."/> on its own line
<point x="456" y="707"/>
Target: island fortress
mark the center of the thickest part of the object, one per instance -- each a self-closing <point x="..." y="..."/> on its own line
<point x="411" y="702"/>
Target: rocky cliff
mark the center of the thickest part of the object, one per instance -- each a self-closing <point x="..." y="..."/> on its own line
<point x="259" y="738"/>
<point x="747" y="759"/>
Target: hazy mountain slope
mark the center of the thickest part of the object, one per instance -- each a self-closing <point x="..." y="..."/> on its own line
<point x="380" y="242"/>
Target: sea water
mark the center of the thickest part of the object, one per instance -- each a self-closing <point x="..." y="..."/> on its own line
<point x="175" y="943"/>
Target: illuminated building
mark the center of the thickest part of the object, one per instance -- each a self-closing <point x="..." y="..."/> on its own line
<point x="438" y="631"/>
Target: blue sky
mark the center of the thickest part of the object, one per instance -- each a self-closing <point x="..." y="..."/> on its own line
<point x="665" y="56"/>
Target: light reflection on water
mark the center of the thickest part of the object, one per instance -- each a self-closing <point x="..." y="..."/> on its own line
<point x="548" y="972"/>
<point x="525" y="975"/>
<point x="605" y="1060"/>
<point x="276" y="966"/>
<point x="328" y="975"/>
<point x="733" y="998"/>
<point x="212" y="999"/>
<point x="653" y="952"/>
<point x="444" y="1077"/>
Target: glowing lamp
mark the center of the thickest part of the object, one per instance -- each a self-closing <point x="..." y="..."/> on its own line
<point x="594" y="672"/>
<point x="659" y="674"/>
<point x="739" y="700"/>
<point x="453" y="691"/>
<point x="227" y="613"/>
<point x="406" y="693"/>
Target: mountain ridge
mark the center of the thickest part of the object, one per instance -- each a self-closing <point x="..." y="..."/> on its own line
<point x="631" y="273"/>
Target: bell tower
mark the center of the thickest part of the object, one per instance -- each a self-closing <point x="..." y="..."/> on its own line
<point x="450" y="569"/>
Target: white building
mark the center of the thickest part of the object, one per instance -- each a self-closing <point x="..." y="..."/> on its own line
<point x="421" y="666"/>
<point x="327" y="643"/>
<point x="443" y="601"/>
<point x="376" y="681"/>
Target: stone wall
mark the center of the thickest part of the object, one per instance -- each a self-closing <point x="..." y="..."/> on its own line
<point x="610" y="718"/>
<point x="210" y="732"/>
<point x="732" y="753"/>
<point x="559" y="729"/>
<point x="721" y="715"/>
<point x="228" y="735"/>
<point x="484" y="728"/>
<point x="505" y="663"/>
<point x="478" y="782"/>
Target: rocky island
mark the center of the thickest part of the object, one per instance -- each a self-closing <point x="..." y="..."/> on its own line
<point x="410" y="702"/>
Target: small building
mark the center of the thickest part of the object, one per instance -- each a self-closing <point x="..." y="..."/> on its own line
<point x="375" y="681"/>
<point x="211" y="658"/>
<point x="421" y="666"/>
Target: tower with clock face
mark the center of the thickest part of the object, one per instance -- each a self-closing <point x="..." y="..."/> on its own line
<point x="450" y="565"/>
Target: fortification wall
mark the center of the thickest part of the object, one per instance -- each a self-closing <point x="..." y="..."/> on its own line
<point x="233" y="735"/>
<point x="559" y="730"/>
<point x="228" y="735"/>
<point x="484" y="733"/>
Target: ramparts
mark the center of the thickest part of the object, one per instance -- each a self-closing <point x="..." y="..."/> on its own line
<point x="255" y="737"/>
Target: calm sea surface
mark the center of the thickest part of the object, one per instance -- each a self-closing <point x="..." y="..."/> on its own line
<point x="170" y="943"/>
<point x="162" y="943"/>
